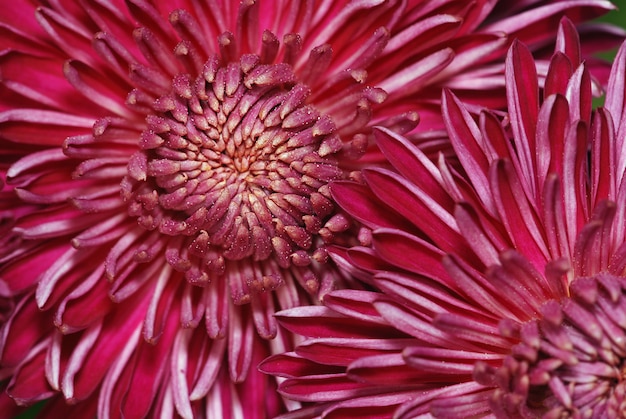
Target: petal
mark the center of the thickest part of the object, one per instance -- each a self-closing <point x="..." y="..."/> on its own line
<point x="322" y="388"/>
<point x="290" y="365"/>
<point x="41" y="127"/>
<point x="359" y="202"/>
<point x="389" y="370"/>
<point x="28" y="384"/>
<point x="412" y="164"/>
<point x="469" y="146"/>
<point x="343" y="351"/>
<point x="416" y="206"/>
<point x="312" y="321"/>
<point x="411" y="253"/>
<point x="523" y="102"/>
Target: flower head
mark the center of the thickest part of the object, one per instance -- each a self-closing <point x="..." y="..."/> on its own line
<point x="167" y="179"/>
<point x="500" y="272"/>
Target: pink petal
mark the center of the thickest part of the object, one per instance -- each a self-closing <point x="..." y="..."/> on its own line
<point x="67" y="33"/>
<point x="378" y="406"/>
<point x="289" y="365"/>
<point x="523" y="101"/>
<point x="517" y="213"/>
<point x="28" y="384"/>
<point x="85" y="305"/>
<point x="148" y="363"/>
<point x="29" y="263"/>
<point x="322" y="388"/>
<point x="412" y="164"/>
<point x="40" y="127"/>
<point x="558" y="75"/>
<point x="39" y="82"/>
<point x="409" y="252"/>
<point x="579" y="95"/>
<point x="241" y="338"/>
<point x="22" y="331"/>
<point x="313" y="321"/>
<point x="355" y="304"/>
<point x="417" y="74"/>
<point x="536" y="24"/>
<point x="430" y="296"/>
<point x="551" y="126"/>
<point x="568" y="42"/>
<point x="389" y="370"/>
<point x="98" y="348"/>
<point x="343" y="351"/>
<point x="414" y="205"/>
<point x="359" y="202"/>
<point x="468" y="143"/>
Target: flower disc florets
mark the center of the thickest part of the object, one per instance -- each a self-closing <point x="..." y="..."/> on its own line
<point x="569" y="363"/>
<point x="235" y="163"/>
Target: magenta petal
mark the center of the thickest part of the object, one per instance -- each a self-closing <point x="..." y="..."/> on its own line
<point x="402" y="319"/>
<point x="446" y="361"/>
<point x="143" y="361"/>
<point x="343" y="351"/>
<point x="419" y="73"/>
<point x="615" y="100"/>
<point x="531" y="26"/>
<point x="411" y="253"/>
<point x="208" y="371"/>
<point x="109" y="94"/>
<point x="550" y="135"/>
<point x="517" y="212"/>
<point x="523" y="101"/>
<point x="32" y="261"/>
<point x="568" y="42"/>
<point x="322" y="388"/>
<point x="471" y="149"/>
<point x="241" y="339"/>
<point x="558" y="75"/>
<point x="414" y="205"/>
<point x="29" y="384"/>
<point x="474" y="48"/>
<point x="22" y="331"/>
<point x="412" y="163"/>
<point x="389" y="370"/>
<point x="420" y="404"/>
<point x="315" y="321"/>
<point x="356" y="304"/>
<point x="39" y="81"/>
<point x="365" y="259"/>
<point x="98" y="348"/>
<point x="379" y="406"/>
<point x="430" y="295"/>
<point x="49" y="128"/>
<point x="290" y="365"/>
<point x="580" y="95"/>
<point x="604" y="159"/>
<point x="361" y="204"/>
<point x="85" y="305"/>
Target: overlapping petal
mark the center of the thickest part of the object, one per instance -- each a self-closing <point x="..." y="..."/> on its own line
<point x="495" y="287"/>
<point x="167" y="168"/>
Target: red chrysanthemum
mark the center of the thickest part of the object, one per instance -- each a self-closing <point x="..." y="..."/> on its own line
<point x="501" y="273"/>
<point x="166" y="168"/>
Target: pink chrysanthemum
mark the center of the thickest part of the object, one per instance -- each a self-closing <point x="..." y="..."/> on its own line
<point x="166" y="168"/>
<point x="502" y="273"/>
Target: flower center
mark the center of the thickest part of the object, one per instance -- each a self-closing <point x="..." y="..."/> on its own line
<point x="235" y="164"/>
<point x="569" y="363"/>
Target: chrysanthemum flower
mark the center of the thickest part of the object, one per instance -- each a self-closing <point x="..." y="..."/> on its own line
<point x="502" y="273"/>
<point x="166" y="169"/>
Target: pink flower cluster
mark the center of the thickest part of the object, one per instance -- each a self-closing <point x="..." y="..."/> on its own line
<point x="316" y="208"/>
